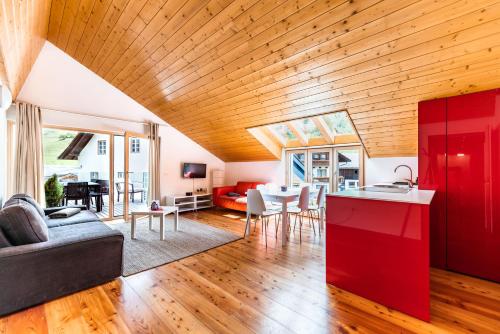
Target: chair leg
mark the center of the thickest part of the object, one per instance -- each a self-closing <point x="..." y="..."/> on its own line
<point x="309" y="214"/>
<point x="249" y="219"/>
<point x="277" y="225"/>
<point x="264" y="225"/>
<point x="300" y="229"/>
<point x="255" y="225"/>
<point x="295" y="222"/>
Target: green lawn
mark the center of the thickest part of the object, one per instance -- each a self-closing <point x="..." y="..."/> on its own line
<point x="54" y="143"/>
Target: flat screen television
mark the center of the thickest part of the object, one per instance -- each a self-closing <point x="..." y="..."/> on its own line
<point x="194" y="171"/>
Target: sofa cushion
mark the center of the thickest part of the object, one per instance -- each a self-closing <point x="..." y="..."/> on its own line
<point x="84" y="216"/>
<point x="14" y="200"/>
<point x="93" y="229"/>
<point x="65" y="213"/>
<point x="22" y="224"/>
<point x="242" y="187"/>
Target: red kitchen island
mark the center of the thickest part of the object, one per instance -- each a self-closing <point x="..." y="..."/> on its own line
<point x="377" y="246"/>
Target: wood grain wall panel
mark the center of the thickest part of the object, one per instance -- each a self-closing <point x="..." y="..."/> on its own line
<point x="214" y="68"/>
<point x="23" y="30"/>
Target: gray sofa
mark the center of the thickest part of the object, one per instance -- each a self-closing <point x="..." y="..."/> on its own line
<point x="43" y="258"/>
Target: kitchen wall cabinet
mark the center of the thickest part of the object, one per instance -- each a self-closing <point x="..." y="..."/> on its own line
<point x="459" y="156"/>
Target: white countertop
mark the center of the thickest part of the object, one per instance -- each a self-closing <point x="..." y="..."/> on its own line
<point x="413" y="196"/>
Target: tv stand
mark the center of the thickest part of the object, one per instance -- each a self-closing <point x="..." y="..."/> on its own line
<point x="191" y="203"/>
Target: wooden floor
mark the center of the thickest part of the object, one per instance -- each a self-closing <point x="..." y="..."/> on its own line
<point x="243" y="287"/>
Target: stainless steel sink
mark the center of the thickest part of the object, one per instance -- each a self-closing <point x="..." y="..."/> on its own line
<point x="387" y="188"/>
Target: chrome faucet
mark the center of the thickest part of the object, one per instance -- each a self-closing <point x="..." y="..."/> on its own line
<point x="411" y="174"/>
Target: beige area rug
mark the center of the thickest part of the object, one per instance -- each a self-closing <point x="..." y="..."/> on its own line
<point x="148" y="251"/>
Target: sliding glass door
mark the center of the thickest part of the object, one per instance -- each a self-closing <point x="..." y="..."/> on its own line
<point x="336" y="168"/>
<point x="137" y="170"/>
<point x="348" y="168"/>
<point x="321" y="167"/>
<point x="118" y="175"/>
<point x="80" y="160"/>
<point x="296" y="168"/>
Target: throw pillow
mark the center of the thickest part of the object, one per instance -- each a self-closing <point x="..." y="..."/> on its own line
<point x="22" y="224"/>
<point x="65" y="213"/>
<point x="233" y="194"/>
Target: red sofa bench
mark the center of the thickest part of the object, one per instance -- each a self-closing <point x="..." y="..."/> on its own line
<point x="222" y="200"/>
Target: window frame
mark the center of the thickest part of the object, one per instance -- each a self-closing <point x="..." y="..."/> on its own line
<point x="99" y="142"/>
<point x="135" y="145"/>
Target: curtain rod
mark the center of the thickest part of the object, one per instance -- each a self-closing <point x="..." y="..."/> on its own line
<point x="97" y="116"/>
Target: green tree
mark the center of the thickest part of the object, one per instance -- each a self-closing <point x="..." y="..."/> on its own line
<point x="53" y="191"/>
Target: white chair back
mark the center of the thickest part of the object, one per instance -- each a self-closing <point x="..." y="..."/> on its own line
<point x="320" y="201"/>
<point x="304" y="198"/>
<point x="260" y="187"/>
<point x="255" y="202"/>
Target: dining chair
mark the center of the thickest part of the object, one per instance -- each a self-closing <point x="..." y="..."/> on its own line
<point x="301" y="209"/>
<point x="98" y="191"/>
<point x="256" y="206"/>
<point x="76" y="191"/>
<point x="317" y="208"/>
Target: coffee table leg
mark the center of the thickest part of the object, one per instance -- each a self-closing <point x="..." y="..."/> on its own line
<point x="150" y="222"/>
<point x="176" y="220"/>
<point x="162" y="227"/>
<point x="132" y="230"/>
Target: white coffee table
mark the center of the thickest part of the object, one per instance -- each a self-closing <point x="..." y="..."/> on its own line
<point x="146" y="211"/>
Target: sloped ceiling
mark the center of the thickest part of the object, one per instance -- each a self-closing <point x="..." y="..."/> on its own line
<point x="23" y="30"/>
<point x="214" y="68"/>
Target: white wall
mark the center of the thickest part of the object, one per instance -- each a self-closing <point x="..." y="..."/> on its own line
<point x="5" y="102"/>
<point x="71" y="95"/>
<point x="265" y="171"/>
<point x="382" y="169"/>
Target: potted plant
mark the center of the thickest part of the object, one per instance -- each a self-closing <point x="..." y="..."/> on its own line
<point x="53" y="192"/>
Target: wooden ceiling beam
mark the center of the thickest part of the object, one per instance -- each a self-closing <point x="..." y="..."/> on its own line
<point x="327" y="134"/>
<point x="270" y="144"/>
<point x="301" y="137"/>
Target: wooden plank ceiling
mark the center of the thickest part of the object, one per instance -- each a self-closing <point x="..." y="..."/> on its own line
<point x="212" y="68"/>
<point x="23" y="30"/>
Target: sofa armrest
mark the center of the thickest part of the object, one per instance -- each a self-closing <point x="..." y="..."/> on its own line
<point x="35" y="273"/>
<point x="219" y="191"/>
<point x="48" y="211"/>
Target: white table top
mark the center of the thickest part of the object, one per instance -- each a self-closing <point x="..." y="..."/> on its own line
<point x="415" y="195"/>
<point x="146" y="210"/>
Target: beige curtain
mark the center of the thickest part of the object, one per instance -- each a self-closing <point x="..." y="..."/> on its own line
<point x="28" y="165"/>
<point x="154" y="162"/>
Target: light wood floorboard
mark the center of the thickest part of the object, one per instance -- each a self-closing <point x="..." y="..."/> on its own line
<point x="244" y="287"/>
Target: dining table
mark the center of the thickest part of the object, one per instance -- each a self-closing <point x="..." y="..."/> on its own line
<point x="284" y="197"/>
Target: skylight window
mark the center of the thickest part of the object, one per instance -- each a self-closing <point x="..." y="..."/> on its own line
<point x="339" y="123"/>
<point x="283" y="131"/>
<point x="307" y="126"/>
<point x="324" y="129"/>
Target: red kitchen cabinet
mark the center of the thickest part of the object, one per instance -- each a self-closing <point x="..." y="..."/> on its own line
<point x="473" y="192"/>
<point x="459" y="157"/>
<point x="432" y="172"/>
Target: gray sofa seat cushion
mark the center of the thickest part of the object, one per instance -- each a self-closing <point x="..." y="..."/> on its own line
<point x="27" y="199"/>
<point x="81" y="217"/>
<point x="22" y="224"/>
<point x="84" y="231"/>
